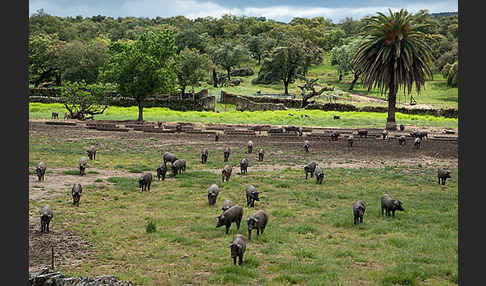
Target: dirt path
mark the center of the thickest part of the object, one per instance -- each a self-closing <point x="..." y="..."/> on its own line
<point x="365" y="98"/>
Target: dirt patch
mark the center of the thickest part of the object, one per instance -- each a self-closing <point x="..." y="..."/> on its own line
<point x="365" y="98"/>
<point x="59" y="184"/>
<point x="69" y="248"/>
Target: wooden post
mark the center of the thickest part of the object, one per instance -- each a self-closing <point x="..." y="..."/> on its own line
<point x="52" y="257"/>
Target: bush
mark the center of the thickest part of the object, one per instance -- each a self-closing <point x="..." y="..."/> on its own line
<point x="150" y="226"/>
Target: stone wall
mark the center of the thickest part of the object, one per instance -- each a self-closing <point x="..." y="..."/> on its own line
<point x="199" y="102"/>
<point x="294" y="103"/>
<point x="243" y="103"/>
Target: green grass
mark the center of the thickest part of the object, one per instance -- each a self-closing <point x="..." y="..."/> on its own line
<point x="168" y="235"/>
<point x="436" y="93"/>
<point x="277" y="117"/>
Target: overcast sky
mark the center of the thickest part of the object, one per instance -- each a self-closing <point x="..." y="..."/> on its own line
<point x="279" y="10"/>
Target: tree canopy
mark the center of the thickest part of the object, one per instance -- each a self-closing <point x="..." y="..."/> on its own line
<point x="396" y="55"/>
<point x="144" y="67"/>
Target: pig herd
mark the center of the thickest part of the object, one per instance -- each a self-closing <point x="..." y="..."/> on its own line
<point x="233" y="213"/>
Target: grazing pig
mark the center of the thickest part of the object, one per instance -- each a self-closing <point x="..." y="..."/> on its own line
<point x="402" y="127"/>
<point x="41" y="171"/>
<point x="233" y="214"/>
<point x="390" y="205"/>
<point x="306" y="146"/>
<point x="46" y="215"/>
<point x="238" y="247"/>
<point x="363" y="133"/>
<point x="419" y="134"/>
<point x="213" y="192"/>
<point x="310" y="168"/>
<point x="169" y="157"/>
<point x="443" y="174"/>
<point x="250" y="146"/>
<point x="76" y="193"/>
<point x="226" y="153"/>
<point x="204" y="155"/>
<point x="226" y="173"/>
<point x="350" y="140"/>
<point x="319" y="175"/>
<point x="144" y="182"/>
<point x="417" y="142"/>
<point x="251" y="196"/>
<point x="91" y="152"/>
<point x="226" y="205"/>
<point x="334" y="136"/>
<point x="178" y="166"/>
<point x="161" y="171"/>
<point x="82" y="166"/>
<point x="244" y="166"/>
<point x="384" y="134"/>
<point x="336" y="117"/>
<point x="402" y="140"/>
<point x="261" y="153"/>
<point x="55" y="115"/>
<point x="216" y="136"/>
<point x="257" y="221"/>
<point x="358" y="211"/>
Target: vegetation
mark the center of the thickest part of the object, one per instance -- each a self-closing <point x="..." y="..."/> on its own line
<point x="396" y="55"/>
<point x="228" y="114"/>
<point x="191" y="68"/>
<point x="84" y="100"/>
<point x="168" y="235"/>
<point x="144" y="67"/>
<point x="75" y="49"/>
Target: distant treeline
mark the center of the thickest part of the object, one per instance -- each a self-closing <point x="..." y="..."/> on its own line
<point x="75" y="48"/>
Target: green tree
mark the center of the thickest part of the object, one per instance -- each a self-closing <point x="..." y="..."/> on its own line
<point x="396" y="55"/>
<point x="450" y="72"/>
<point x="284" y="61"/>
<point x="44" y="58"/>
<point x="191" y="68"/>
<point x="81" y="61"/>
<point x="258" y="45"/>
<point x="144" y="67"/>
<point x="84" y="100"/>
<point x="229" y="56"/>
<point x="312" y="56"/>
<point x="332" y="38"/>
<point x="191" y="39"/>
<point x="342" y="56"/>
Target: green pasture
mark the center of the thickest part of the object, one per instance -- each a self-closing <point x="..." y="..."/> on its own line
<point x="168" y="236"/>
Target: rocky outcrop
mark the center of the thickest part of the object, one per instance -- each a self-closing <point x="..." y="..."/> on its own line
<point x="47" y="277"/>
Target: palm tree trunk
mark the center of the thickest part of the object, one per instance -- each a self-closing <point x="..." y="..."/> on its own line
<point x="392" y="100"/>
<point x="286" y="84"/>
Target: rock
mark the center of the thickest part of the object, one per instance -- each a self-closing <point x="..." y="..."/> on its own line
<point x="47" y="277"/>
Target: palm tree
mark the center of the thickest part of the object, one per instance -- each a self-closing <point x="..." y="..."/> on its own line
<point x="397" y="54"/>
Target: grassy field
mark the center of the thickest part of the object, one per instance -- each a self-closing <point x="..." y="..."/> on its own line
<point x="228" y="114"/>
<point x="310" y="238"/>
<point x="436" y="92"/>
